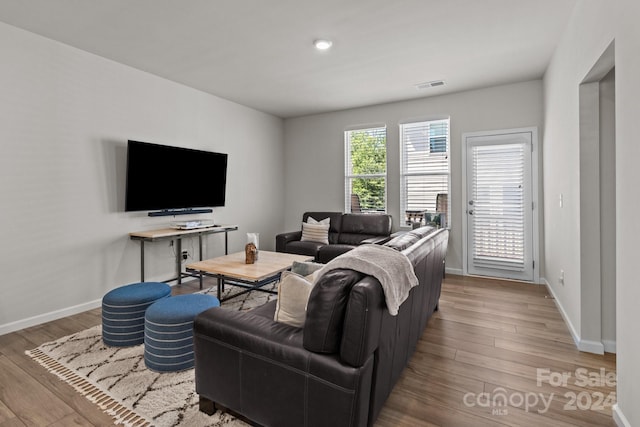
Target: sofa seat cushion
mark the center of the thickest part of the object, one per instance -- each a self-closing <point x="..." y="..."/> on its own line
<point x="329" y="252"/>
<point x="354" y="239"/>
<point x="304" y="248"/>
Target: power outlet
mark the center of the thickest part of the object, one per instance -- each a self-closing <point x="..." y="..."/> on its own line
<point x="185" y="254"/>
<point x="561" y="277"/>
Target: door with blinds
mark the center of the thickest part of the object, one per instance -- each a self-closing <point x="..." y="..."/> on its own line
<point x="499" y="208"/>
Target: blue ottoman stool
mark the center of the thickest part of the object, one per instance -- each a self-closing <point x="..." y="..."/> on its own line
<point x="168" y="331"/>
<point x="123" y="312"/>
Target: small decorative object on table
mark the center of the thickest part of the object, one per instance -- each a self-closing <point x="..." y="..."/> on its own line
<point x="255" y="239"/>
<point x="251" y="253"/>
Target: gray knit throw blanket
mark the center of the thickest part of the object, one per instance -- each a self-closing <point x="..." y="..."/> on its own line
<point x="392" y="269"/>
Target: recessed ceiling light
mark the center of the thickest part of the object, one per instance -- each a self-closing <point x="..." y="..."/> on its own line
<point x="322" y="44"/>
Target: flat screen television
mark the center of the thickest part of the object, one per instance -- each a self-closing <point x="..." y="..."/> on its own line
<point x="173" y="180"/>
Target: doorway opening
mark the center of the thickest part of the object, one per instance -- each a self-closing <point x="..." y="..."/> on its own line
<point x="598" y="207"/>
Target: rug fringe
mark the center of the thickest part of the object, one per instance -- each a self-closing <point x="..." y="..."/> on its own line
<point x="120" y="413"/>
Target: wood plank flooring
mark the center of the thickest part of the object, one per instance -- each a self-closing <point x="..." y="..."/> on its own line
<point x="489" y="336"/>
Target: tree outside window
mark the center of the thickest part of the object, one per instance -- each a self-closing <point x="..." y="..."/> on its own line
<point x="366" y="170"/>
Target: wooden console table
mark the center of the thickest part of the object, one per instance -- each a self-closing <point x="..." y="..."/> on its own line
<point x="177" y="235"/>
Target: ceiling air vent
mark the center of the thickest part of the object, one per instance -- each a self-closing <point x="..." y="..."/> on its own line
<point x="427" y="85"/>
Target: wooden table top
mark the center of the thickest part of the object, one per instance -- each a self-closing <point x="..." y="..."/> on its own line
<point x="175" y="232"/>
<point x="233" y="265"/>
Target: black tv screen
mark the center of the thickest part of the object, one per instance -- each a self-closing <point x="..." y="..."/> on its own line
<point x="162" y="177"/>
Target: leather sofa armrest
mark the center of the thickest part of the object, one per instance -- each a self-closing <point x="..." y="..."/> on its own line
<point x="284" y="238"/>
<point x="239" y="356"/>
<point x="248" y="332"/>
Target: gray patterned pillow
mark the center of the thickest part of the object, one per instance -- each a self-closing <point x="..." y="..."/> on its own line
<point x="305" y="268"/>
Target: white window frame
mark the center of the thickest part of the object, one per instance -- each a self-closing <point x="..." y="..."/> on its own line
<point x="348" y="176"/>
<point x="403" y="173"/>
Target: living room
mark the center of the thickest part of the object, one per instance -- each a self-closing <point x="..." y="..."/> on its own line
<point x="67" y="115"/>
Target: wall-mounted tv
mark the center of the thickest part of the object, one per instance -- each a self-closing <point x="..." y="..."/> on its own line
<point x="173" y="180"/>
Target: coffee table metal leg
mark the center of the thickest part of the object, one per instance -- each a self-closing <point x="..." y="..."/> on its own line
<point x="200" y="274"/>
<point x="220" y="288"/>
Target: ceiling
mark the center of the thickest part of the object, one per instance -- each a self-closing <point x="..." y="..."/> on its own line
<point x="260" y="53"/>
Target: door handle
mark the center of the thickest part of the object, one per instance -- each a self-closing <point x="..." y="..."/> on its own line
<point x="470" y="211"/>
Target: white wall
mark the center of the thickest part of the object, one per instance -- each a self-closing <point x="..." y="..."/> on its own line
<point x="608" y="207"/>
<point x="65" y="117"/>
<point x="594" y="25"/>
<point x="628" y="206"/>
<point x="573" y="59"/>
<point x="314" y="147"/>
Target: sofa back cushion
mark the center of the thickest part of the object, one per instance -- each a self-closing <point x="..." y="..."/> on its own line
<point x="405" y="240"/>
<point x="423" y="231"/>
<point x="334" y="224"/>
<point x="326" y="310"/>
<point x="362" y="322"/>
<point x="358" y="227"/>
<point x="402" y="242"/>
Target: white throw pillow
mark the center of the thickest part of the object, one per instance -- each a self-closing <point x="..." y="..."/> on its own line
<point x="312" y="220"/>
<point x="293" y="295"/>
<point x="315" y="233"/>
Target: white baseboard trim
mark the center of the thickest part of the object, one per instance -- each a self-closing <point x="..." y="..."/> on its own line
<point x="48" y="317"/>
<point x="618" y="416"/>
<point x="609" y="346"/>
<point x="595" y="347"/>
<point x="572" y="330"/>
<point x="455" y="271"/>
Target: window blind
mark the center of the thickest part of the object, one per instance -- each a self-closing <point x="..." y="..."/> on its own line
<point x="498" y="209"/>
<point x="424" y="164"/>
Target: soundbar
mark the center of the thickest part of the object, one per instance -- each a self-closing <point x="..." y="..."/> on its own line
<point x="171" y="212"/>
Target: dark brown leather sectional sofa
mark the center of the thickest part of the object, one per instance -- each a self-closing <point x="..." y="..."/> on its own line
<point x="339" y="369"/>
<point x="346" y="231"/>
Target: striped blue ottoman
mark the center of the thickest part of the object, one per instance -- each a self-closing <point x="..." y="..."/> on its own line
<point x="123" y="312"/>
<point x="168" y="331"/>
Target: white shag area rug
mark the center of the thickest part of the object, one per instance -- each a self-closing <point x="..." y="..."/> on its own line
<point x="117" y="380"/>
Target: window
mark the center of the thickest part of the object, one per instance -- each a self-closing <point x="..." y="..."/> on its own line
<point x="366" y="170"/>
<point x="424" y="171"/>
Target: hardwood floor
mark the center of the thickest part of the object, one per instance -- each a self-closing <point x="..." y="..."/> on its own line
<point x="492" y="336"/>
<point x="489" y="336"/>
